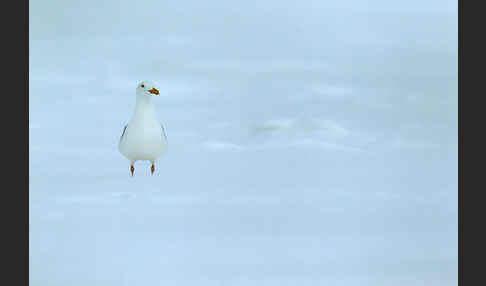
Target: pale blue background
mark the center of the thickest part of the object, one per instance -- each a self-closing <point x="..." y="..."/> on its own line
<point x="311" y="143"/>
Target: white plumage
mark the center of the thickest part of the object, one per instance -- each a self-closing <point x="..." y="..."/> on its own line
<point x="143" y="138"/>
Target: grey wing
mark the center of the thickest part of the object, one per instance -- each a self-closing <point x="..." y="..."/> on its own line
<point x="123" y="133"/>
<point x="163" y="131"/>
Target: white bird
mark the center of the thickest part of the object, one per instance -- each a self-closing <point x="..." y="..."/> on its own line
<point x="143" y="138"/>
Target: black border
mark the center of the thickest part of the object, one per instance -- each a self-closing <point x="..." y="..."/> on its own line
<point x="14" y="118"/>
<point x="471" y="121"/>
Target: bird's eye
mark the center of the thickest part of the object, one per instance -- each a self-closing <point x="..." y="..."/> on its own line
<point x="142" y="85"/>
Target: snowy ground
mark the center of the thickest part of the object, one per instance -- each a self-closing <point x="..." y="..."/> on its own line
<point x="296" y="157"/>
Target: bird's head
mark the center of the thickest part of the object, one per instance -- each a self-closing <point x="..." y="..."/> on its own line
<point x="147" y="88"/>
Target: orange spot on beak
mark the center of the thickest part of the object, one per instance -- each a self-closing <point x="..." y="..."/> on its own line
<point x="154" y="91"/>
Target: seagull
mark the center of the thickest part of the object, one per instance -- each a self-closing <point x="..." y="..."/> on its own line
<point x="143" y="138"/>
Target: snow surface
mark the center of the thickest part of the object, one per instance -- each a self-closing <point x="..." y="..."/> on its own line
<point x="309" y="144"/>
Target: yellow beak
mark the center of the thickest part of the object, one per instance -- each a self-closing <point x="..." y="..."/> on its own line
<point x="154" y="91"/>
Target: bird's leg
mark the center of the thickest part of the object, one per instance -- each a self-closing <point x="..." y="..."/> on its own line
<point x="152" y="169"/>
<point x="132" y="169"/>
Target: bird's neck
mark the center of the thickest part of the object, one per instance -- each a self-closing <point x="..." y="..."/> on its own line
<point x="143" y="107"/>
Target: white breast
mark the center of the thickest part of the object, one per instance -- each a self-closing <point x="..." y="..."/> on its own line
<point x="144" y="137"/>
<point x="143" y="141"/>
